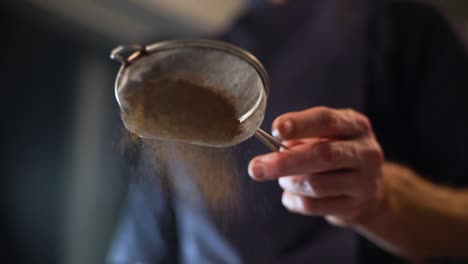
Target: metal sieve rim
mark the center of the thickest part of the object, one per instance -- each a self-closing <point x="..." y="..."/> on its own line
<point x="218" y="45"/>
<point x="139" y="51"/>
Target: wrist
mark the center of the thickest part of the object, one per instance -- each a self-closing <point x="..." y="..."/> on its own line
<point x="385" y="223"/>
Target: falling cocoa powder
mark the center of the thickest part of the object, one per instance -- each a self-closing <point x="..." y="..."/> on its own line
<point x="168" y="113"/>
<point x="180" y="110"/>
<point x="198" y="175"/>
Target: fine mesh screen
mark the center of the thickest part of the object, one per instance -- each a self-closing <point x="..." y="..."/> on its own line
<point x="220" y="69"/>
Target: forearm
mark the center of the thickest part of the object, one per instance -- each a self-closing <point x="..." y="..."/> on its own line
<point x="417" y="219"/>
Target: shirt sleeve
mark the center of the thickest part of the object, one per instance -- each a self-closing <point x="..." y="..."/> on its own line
<point x="146" y="232"/>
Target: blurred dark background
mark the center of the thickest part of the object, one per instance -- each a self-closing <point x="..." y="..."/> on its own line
<point x="62" y="175"/>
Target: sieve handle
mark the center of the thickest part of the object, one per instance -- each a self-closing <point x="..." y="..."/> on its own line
<point x="126" y="54"/>
<point x="272" y="143"/>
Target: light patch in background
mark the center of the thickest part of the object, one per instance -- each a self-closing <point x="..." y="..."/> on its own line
<point x="123" y="20"/>
<point x="206" y="15"/>
<point x="86" y="211"/>
<point x="105" y="20"/>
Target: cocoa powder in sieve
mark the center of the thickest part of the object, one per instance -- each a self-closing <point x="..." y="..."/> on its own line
<point x="180" y="110"/>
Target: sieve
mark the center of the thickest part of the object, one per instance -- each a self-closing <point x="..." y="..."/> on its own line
<point x="229" y="69"/>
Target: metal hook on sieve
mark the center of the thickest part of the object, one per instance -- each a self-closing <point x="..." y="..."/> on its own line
<point x="272" y="143"/>
<point x="126" y="54"/>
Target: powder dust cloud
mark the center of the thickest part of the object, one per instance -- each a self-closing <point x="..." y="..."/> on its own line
<point x="160" y="116"/>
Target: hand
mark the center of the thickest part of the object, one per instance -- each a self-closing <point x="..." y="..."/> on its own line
<point x="331" y="168"/>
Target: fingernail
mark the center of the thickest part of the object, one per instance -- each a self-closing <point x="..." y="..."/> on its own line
<point x="287" y="127"/>
<point x="256" y="169"/>
<point x="290" y="201"/>
<point x="284" y="183"/>
<point x="283" y="130"/>
<point x="275" y="133"/>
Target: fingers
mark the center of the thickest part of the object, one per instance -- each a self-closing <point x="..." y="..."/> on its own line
<point x="347" y="183"/>
<point x="309" y="157"/>
<point x="321" y="122"/>
<point x="338" y="206"/>
<point x="332" y="165"/>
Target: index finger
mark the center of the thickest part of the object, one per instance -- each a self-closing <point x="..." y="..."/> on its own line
<point x="307" y="158"/>
<point x="322" y="122"/>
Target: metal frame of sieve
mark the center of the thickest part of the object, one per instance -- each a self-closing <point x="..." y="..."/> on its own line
<point x="136" y="51"/>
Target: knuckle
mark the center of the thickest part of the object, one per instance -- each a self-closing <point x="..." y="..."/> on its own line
<point x="374" y="156"/>
<point x="360" y="121"/>
<point x="326" y="116"/>
<point x="350" y="113"/>
<point x="325" y="152"/>
<point x="357" y="122"/>
<point x="363" y="123"/>
<point x="321" y="109"/>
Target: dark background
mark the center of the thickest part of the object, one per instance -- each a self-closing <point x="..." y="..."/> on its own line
<point x="63" y="177"/>
<point x="62" y="174"/>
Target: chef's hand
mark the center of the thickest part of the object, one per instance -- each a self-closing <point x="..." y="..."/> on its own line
<point x="332" y="166"/>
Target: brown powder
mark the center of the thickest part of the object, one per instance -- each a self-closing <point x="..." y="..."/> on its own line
<point x="169" y="110"/>
<point x="199" y="176"/>
<point x="179" y="110"/>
